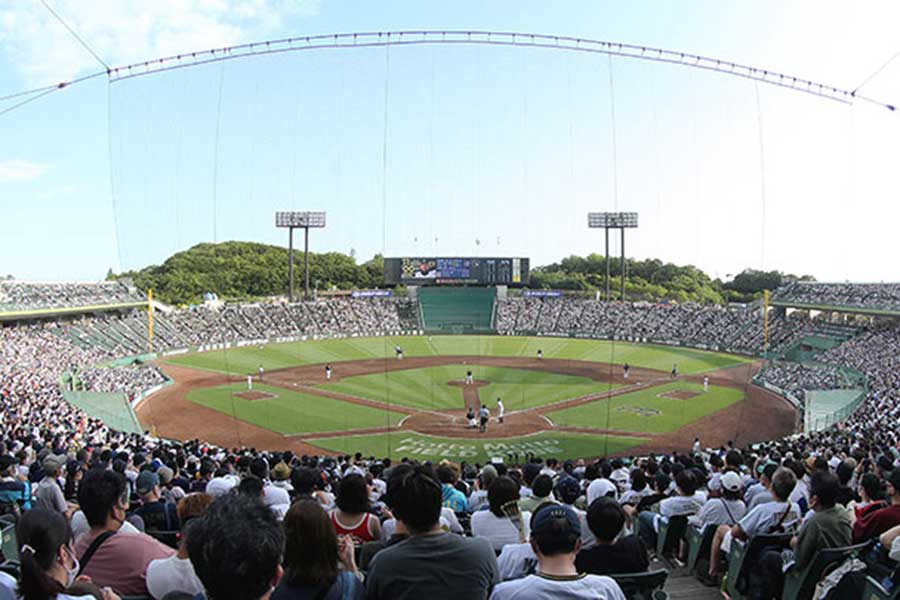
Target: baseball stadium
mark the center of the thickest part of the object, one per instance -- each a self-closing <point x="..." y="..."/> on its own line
<point x="503" y="401"/>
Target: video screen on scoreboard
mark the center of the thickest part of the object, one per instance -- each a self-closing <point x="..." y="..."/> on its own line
<point x="455" y="271"/>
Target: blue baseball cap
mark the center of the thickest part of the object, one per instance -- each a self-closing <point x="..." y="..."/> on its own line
<point x="557" y="519"/>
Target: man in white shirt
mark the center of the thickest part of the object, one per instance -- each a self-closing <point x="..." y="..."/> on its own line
<point x="555" y="540"/>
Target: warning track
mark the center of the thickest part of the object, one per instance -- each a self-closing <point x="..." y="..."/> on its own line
<point x="760" y="415"/>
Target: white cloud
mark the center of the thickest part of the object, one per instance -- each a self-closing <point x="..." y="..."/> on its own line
<point x="127" y="31"/>
<point x="20" y="170"/>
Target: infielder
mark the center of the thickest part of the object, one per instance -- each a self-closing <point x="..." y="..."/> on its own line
<point x="399" y="352"/>
<point x="260" y="372"/>
<point x="540" y="354"/>
<point x="705" y="383"/>
<point x="500" y="410"/>
<point x="249" y="383"/>
<point x="625" y="370"/>
<point x="327" y="372"/>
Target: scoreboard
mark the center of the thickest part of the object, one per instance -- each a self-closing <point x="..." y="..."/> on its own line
<point x="455" y="271"/>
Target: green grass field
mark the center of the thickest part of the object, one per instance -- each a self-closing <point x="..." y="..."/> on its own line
<point x="426" y="447"/>
<point x="297" y="413"/>
<point x="645" y="412"/>
<point x="427" y="388"/>
<point x="292" y="412"/>
<point x="278" y="356"/>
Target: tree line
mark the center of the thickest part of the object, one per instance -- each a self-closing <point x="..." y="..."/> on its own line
<point x="248" y="270"/>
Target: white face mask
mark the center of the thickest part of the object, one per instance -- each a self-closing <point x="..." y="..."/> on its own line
<point x="72" y="573"/>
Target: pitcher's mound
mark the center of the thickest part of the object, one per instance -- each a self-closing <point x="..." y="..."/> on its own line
<point x="254" y="395"/>
<point x="678" y="394"/>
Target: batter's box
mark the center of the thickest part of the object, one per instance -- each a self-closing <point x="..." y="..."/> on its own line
<point x="255" y="395"/>
<point x="638" y="410"/>
<point x="678" y="394"/>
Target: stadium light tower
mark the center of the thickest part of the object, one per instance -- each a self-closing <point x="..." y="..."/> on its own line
<point x="613" y="220"/>
<point x="305" y="220"/>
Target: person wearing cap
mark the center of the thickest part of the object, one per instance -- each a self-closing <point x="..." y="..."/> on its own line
<point x="568" y="492"/>
<point x="556" y="541"/>
<point x="614" y="551"/>
<point x="281" y="477"/>
<point x="49" y="494"/>
<point x="157" y="514"/>
<point x="14" y="488"/>
<point x="879" y="519"/>
<point x="759" y="491"/>
<point x="727" y="509"/>
<point x="478" y="499"/>
<point x="170" y="492"/>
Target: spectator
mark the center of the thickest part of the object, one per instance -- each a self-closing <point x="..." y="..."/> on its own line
<point x="235" y="549"/>
<point x="494" y="524"/>
<point x="727" y="509"/>
<point x="156" y="513"/>
<point x="877" y="520"/>
<point x="48" y="562"/>
<point x="48" y="494"/>
<point x="15" y="491"/>
<point x="311" y="557"/>
<point x="612" y="553"/>
<point x="761" y="492"/>
<point x="478" y="498"/>
<point x="431" y="563"/>
<point x="541" y="490"/>
<point x="556" y="540"/>
<point x="452" y="498"/>
<point x="352" y="516"/>
<point x="829" y="527"/>
<point x="117" y="560"/>
<point x="176" y="573"/>
<point x="687" y="502"/>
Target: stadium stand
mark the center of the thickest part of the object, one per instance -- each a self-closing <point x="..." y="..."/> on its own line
<point x="54" y="459"/>
<point x="873" y="296"/>
<point x="456" y="310"/>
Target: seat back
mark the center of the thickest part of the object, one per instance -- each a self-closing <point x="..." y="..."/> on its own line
<point x="699" y="544"/>
<point x="640" y="586"/>
<point x="671" y="532"/>
<point x="8" y="547"/>
<point x="800" y="585"/>
<point x="873" y="590"/>
<point x="742" y="556"/>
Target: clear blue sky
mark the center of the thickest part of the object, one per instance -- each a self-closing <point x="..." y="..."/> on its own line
<point x="490" y="151"/>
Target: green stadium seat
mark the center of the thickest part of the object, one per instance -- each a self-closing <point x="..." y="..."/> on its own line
<point x="9" y="546"/>
<point x="643" y="586"/>
<point x="671" y="533"/>
<point x="874" y="590"/>
<point x="800" y="585"/>
<point x="699" y="543"/>
<point x="741" y="557"/>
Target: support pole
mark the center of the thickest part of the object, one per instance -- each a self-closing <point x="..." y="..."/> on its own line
<point x="624" y="268"/>
<point x="149" y="320"/>
<point x="306" y="262"/>
<point x="606" y="230"/>
<point x="290" y="264"/>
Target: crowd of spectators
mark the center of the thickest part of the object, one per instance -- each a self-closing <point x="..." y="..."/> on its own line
<point x="15" y="295"/>
<point x="878" y="296"/>
<point x="690" y="324"/>
<point x="796" y="378"/>
<point x="138" y="516"/>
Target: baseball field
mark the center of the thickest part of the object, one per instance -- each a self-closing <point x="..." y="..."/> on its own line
<point x="573" y="401"/>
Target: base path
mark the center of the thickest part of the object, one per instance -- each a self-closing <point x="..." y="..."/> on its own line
<point x="760" y="415"/>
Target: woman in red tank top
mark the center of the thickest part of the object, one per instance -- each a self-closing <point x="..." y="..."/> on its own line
<point x="352" y="516"/>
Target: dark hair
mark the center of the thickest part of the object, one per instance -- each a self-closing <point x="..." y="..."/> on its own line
<point x="98" y="494"/>
<point x="503" y="490"/>
<point x="44" y="531"/>
<point x="235" y="548"/>
<point x="638" y="480"/>
<point x="733" y="459"/>
<point x="872" y="485"/>
<point x="769" y="471"/>
<point x="304" y="480"/>
<point x="445" y="474"/>
<point x="250" y="485"/>
<point x="844" y="472"/>
<point x="687" y="482"/>
<point x="260" y="468"/>
<point x="414" y="496"/>
<point x="732" y="494"/>
<point x="310" y="545"/>
<point x="605" y="519"/>
<point x="662" y="482"/>
<point x="824" y="486"/>
<point x="353" y="495"/>
<point x="557" y="538"/>
<point x="542" y="486"/>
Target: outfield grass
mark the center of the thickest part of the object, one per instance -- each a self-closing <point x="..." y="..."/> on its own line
<point x="662" y="414"/>
<point x="427" y="388"/>
<point x="426" y="447"/>
<point x="292" y="412"/>
<point x="278" y="356"/>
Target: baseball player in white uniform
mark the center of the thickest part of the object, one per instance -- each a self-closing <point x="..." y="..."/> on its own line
<point x="500" y="410"/>
<point x="249" y="382"/>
